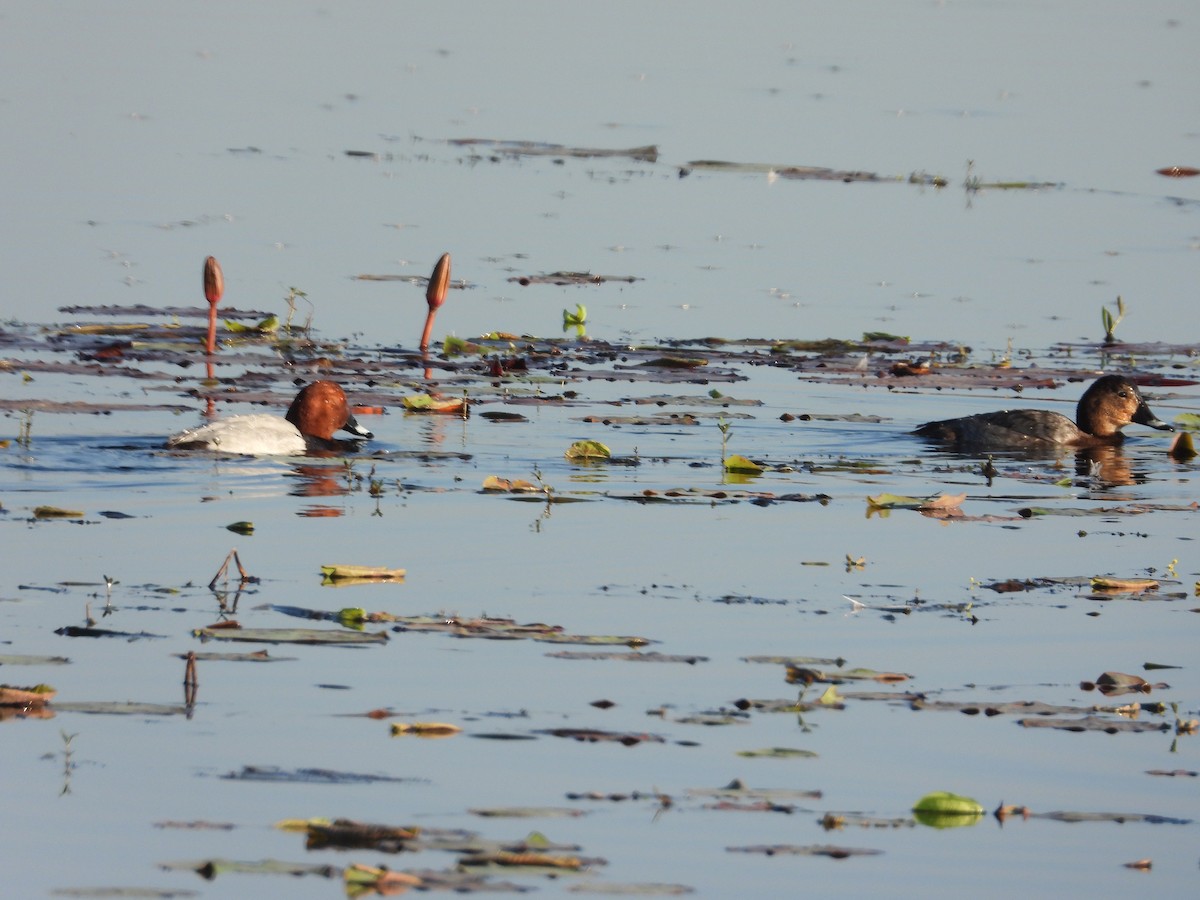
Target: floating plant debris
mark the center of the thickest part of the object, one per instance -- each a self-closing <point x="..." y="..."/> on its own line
<point x="335" y="572"/>
<point x="569" y="278"/>
<point x="120" y="708"/>
<point x="89" y="631"/>
<point x="587" y="451"/>
<point x="37" y="695"/>
<point x="275" y="774"/>
<point x="597" y="736"/>
<point x="24" y="659"/>
<point x="778" y="753"/>
<point x="425" y="729"/>
<point x="1095" y="723"/>
<point x="830" y="850"/>
<point x="54" y="512"/>
<point x="290" y="636"/>
<point x="426" y="403"/>
<point x="528" y="812"/>
<point x="651" y="657"/>
<point x="648" y="153"/>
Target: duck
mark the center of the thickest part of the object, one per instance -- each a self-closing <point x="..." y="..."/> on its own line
<point x="1107" y="406"/>
<point x="318" y="411"/>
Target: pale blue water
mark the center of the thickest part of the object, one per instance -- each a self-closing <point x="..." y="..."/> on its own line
<point x="127" y="168"/>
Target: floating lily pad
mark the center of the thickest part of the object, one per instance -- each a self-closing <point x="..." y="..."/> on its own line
<point x="942" y="809"/>
<point x="587" y="451"/>
<point x="426" y="403"/>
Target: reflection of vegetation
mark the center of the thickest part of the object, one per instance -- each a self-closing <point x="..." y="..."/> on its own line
<point x="25" y="429"/>
<point x="68" y="761"/>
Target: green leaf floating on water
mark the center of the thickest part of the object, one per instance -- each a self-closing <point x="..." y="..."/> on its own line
<point x="266" y="326"/>
<point x="452" y="346"/>
<point x="942" y="809"/>
<point x="585" y="451"/>
<point x="241" y="528"/>
<point x="429" y="403"/>
<point x="575" y="319"/>
<point x="742" y="466"/>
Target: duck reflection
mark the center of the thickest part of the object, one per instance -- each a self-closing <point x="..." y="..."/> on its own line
<point x="320" y="481"/>
<point x="1106" y="467"/>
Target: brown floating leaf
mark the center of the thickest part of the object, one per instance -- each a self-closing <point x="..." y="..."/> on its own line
<point x="348" y="833"/>
<point x="38" y="695"/>
<point x="1124" y="585"/>
<point x="803" y="675"/>
<point x="496" y="484"/>
<point x="54" y="512"/>
<point x="1178" y="172"/>
<point x="1011" y="586"/>
<point x="1120" y="683"/>
<point x="335" y="572"/>
<point x="523" y="860"/>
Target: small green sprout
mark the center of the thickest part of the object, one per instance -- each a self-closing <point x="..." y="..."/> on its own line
<point x="576" y="320"/>
<point x="1110" y="324"/>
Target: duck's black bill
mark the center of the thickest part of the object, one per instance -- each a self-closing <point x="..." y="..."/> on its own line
<point x="1143" y="416"/>
<point x="357" y="430"/>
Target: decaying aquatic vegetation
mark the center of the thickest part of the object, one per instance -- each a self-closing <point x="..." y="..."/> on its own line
<point x="501" y="372"/>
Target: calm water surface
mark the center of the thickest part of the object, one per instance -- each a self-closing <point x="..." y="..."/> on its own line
<point x="154" y="134"/>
